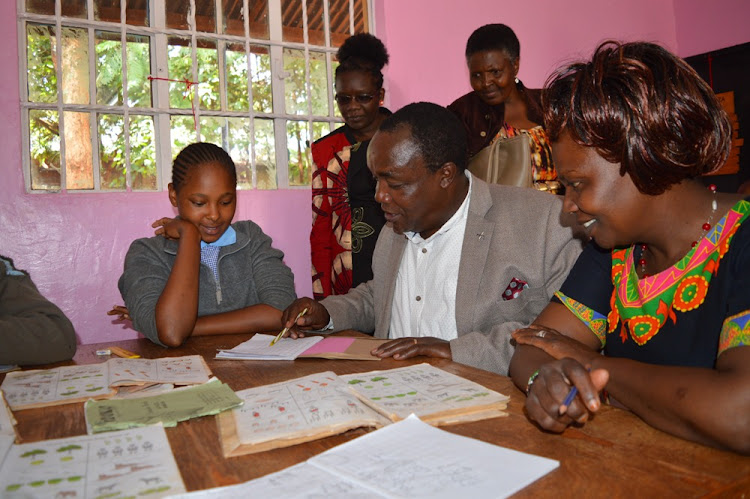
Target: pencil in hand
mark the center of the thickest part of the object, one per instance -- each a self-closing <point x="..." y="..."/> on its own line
<point x="283" y="331"/>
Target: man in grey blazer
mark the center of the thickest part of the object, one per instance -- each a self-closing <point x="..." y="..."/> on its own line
<point x="461" y="263"/>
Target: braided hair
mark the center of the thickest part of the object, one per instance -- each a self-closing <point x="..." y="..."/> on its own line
<point x="196" y="155"/>
<point x="363" y="52"/>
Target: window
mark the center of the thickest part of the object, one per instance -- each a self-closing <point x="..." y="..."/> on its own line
<point x="113" y="89"/>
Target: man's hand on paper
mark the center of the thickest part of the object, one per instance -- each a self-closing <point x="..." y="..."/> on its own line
<point x="405" y="348"/>
<point x="315" y="318"/>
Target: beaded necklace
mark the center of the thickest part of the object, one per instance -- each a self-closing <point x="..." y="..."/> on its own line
<point x="641" y="248"/>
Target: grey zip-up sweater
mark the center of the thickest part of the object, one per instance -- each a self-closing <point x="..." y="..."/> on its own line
<point x="250" y="272"/>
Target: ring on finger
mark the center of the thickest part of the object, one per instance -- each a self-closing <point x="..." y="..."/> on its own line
<point x="541" y="333"/>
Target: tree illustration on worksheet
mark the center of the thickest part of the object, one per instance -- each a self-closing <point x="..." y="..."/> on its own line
<point x="68" y="448"/>
<point x="33" y="453"/>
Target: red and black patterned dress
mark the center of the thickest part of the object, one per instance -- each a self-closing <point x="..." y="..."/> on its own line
<point x="346" y="219"/>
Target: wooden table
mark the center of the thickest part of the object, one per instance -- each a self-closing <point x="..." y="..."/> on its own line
<point x="613" y="455"/>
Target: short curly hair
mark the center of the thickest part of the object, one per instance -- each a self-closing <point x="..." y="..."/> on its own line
<point x="438" y="133"/>
<point x="640" y="106"/>
<point x="493" y="37"/>
<point x="363" y="52"/>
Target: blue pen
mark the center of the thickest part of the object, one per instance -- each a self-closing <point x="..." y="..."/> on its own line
<point x="571" y="395"/>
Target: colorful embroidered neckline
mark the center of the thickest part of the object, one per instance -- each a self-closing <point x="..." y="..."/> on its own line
<point x="645" y="305"/>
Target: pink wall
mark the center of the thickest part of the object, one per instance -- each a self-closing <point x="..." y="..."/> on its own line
<point x="427" y="39"/>
<point x="704" y="26"/>
<point x="74" y="245"/>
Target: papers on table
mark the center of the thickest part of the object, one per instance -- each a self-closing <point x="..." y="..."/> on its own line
<point x="131" y="463"/>
<point x="433" y="394"/>
<point x="292" y="412"/>
<point x="168" y="408"/>
<point x="67" y="384"/>
<point x="406" y="459"/>
<point x="7" y="421"/>
<point x="319" y="405"/>
<point x="258" y="348"/>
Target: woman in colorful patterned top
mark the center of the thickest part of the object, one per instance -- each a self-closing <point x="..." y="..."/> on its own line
<point x="346" y="218"/>
<point x="668" y="302"/>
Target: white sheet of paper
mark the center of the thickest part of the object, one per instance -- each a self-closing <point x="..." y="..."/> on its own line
<point x="303" y="481"/>
<point x="413" y="459"/>
<point x="404" y="460"/>
<point x="136" y="462"/>
<point x="258" y="348"/>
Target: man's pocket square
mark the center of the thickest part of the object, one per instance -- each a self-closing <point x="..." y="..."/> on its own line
<point x="514" y="289"/>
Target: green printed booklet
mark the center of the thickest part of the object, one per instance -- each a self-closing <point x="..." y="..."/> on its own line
<point x="167" y="408"/>
<point x="130" y="463"/>
<point x="323" y="404"/>
<point x="67" y="384"/>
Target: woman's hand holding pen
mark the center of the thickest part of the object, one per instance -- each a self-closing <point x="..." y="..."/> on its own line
<point x="547" y="394"/>
<point x="316" y="317"/>
<point x="569" y="379"/>
<point x="173" y="228"/>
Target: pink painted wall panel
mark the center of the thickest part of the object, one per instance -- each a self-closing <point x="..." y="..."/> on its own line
<point x="427" y="38"/>
<point x="74" y="244"/>
<point x="704" y="26"/>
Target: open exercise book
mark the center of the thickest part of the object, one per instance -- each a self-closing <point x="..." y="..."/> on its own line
<point x="323" y="404"/>
<point x="407" y="459"/>
<point x="129" y="463"/>
<point x="327" y="347"/>
<point x="63" y="385"/>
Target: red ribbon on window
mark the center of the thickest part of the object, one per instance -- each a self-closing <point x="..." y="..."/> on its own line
<point x="188" y="87"/>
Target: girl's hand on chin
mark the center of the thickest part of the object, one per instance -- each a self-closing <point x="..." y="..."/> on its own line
<point x="172" y="228"/>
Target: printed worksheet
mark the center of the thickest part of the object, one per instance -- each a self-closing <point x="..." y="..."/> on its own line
<point x="188" y="370"/>
<point x="61" y="385"/>
<point x="168" y="408"/>
<point x="130" y="463"/>
<point x="423" y="390"/>
<point x="311" y="406"/>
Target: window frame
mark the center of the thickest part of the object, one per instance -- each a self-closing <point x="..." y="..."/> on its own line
<point x="160" y="109"/>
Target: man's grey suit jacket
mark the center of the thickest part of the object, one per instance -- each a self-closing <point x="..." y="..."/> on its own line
<point x="510" y="232"/>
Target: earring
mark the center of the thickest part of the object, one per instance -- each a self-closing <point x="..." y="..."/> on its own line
<point x="517" y="80"/>
<point x="381" y="102"/>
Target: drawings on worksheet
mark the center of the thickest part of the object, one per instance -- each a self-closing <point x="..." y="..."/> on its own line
<point x="188" y="370"/>
<point x="297" y="406"/>
<point x="45" y="386"/>
<point x="62" y="385"/>
<point x="421" y="389"/>
<point x="130" y="463"/>
<point x="325" y="404"/>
